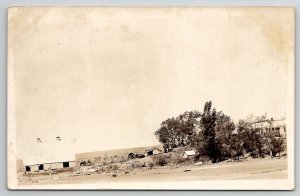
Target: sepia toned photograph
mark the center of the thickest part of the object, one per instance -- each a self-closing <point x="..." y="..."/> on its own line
<point x="151" y="98"/>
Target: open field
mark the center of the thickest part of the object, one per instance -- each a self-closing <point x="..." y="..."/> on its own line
<point x="110" y="153"/>
<point x="248" y="169"/>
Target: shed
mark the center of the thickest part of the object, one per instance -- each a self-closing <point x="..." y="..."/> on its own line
<point x="188" y="153"/>
<point x="153" y="151"/>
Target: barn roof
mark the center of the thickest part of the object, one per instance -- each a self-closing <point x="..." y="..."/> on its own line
<point x="148" y="150"/>
<point x="48" y="159"/>
<point x="190" y="152"/>
<point x="48" y="151"/>
<point x="279" y="123"/>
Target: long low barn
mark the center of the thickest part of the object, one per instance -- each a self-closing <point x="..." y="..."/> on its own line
<point x="49" y="166"/>
<point x="45" y="155"/>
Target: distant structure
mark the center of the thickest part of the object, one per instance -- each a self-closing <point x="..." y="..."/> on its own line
<point x="188" y="154"/>
<point x="44" y="165"/>
<point x="153" y="151"/>
<point x="48" y="156"/>
<point x="278" y="127"/>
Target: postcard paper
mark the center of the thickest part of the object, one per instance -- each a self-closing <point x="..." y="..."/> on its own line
<point x="154" y="98"/>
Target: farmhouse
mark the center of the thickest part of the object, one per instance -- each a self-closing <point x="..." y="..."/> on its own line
<point x="153" y="151"/>
<point x="278" y="127"/>
<point x="188" y="153"/>
<point x="45" y="155"/>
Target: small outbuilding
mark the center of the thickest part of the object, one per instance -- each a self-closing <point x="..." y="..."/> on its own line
<point x="153" y="151"/>
<point x="188" y="153"/>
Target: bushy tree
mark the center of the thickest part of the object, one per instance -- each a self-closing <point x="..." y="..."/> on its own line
<point x="254" y="142"/>
<point x="215" y="137"/>
<point x="236" y="148"/>
<point x="208" y="145"/>
<point x="189" y="125"/>
<point x="178" y="131"/>
<point x="168" y="132"/>
<point x="277" y="145"/>
<point x="224" y="128"/>
<point x="225" y="137"/>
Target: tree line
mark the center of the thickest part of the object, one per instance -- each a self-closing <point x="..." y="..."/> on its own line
<point x="216" y="137"/>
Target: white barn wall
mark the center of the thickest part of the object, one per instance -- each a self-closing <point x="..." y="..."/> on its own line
<point x="156" y="151"/>
<point x="34" y="168"/>
<point x="47" y="166"/>
<point x="72" y="164"/>
<point x="56" y="165"/>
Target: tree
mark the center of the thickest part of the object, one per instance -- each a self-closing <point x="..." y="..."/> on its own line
<point x="244" y="130"/>
<point x="178" y="131"/>
<point x="167" y="133"/>
<point x="189" y="125"/>
<point x="254" y="141"/>
<point x="216" y="137"/>
<point x="224" y="128"/>
<point x="277" y="145"/>
<point x="225" y="138"/>
<point x="236" y="147"/>
<point x="208" y="145"/>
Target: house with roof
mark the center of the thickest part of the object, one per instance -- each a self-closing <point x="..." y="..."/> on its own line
<point x="153" y="151"/>
<point x="276" y="126"/>
<point x="188" y="154"/>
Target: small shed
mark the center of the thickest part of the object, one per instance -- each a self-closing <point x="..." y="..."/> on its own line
<point x="188" y="153"/>
<point x="153" y="151"/>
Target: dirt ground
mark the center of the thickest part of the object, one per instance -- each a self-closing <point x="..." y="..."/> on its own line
<point x="248" y="169"/>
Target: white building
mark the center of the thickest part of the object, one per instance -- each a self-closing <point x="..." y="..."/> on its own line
<point x="49" y="154"/>
<point x="278" y="127"/>
<point x="46" y="164"/>
<point x="153" y="151"/>
<point x="188" y="153"/>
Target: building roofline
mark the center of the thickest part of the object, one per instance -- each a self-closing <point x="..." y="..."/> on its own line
<point x="47" y="163"/>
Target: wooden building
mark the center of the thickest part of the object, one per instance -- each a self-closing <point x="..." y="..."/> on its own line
<point x="49" y="154"/>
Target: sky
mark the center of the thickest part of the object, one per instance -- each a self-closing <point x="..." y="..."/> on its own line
<point x="105" y="78"/>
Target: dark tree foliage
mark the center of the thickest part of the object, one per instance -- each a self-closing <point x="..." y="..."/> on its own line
<point x="277" y="145"/>
<point x="245" y="133"/>
<point x="216" y="137"/>
<point x="236" y="147"/>
<point x="225" y="138"/>
<point x="208" y="145"/>
<point x="189" y="124"/>
<point x="178" y="131"/>
<point x="254" y="142"/>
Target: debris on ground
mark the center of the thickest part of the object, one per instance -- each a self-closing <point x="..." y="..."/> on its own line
<point x="187" y="170"/>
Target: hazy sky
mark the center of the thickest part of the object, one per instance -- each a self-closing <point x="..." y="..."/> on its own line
<point x="106" y="78"/>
